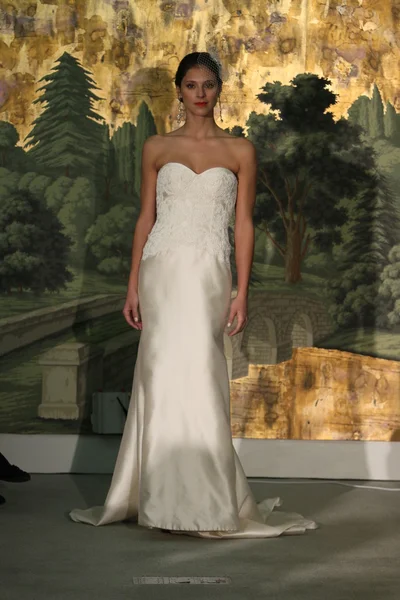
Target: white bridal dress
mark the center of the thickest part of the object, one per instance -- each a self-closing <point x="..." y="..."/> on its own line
<point x="177" y="468"/>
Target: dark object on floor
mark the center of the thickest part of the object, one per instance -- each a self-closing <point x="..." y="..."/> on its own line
<point x="2" y="499"/>
<point x="11" y="473"/>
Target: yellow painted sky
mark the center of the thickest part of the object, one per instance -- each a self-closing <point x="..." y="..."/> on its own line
<point x="134" y="47"/>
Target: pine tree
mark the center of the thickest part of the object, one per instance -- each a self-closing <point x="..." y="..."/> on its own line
<point x="66" y="135"/>
<point x="387" y="220"/>
<point x="373" y="230"/>
<point x="389" y="291"/>
<point x="376" y="127"/>
<point x="392" y="124"/>
<point x="123" y="142"/>
<point x="358" y="113"/>
<point x="11" y="155"/>
<point x="145" y="128"/>
<point x="390" y="121"/>
<point x="364" y="114"/>
<point x="106" y="171"/>
<point x="8" y="140"/>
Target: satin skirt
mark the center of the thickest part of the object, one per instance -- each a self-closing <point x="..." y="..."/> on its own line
<point x="177" y="468"/>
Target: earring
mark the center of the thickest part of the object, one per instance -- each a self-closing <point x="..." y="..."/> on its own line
<point x="220" y="111"/>
<point x="181" y="111"/>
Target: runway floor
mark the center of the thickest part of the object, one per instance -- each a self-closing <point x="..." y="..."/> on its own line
<point x="354" y="555"/>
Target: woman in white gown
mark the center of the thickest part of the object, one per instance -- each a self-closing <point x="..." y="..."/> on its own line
<point x="177" y="468"/>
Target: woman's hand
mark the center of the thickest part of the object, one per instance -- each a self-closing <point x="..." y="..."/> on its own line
<point x="238" y="309"/>
<point x="131" y="310"/>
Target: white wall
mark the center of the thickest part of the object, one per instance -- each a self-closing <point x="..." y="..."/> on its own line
<point x="260" y="458"/>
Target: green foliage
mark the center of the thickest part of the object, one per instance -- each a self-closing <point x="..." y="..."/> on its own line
<point x="56" y="192"/>
<point x="389" y="291"/>
<point x="107" y="162"/>
<point x="33" y="249"/>
<point x="8" y="181"/>
<point x="375" y="122"/>
<point x="236" y="130"/>
<point x="388" y="161"/>
<point x="77" y="215"/>
<point x="123" y="141"/>
<point x="367" y="341"/>
<point x="66" y="136"/>
<point x="35" y="183"/>
<point x="391" y="123"/>
<point x="307" y="163"/>
<point x="145" y="128"/>
<point x="110" y="239"/>
<point x="372" y="230"/>
<point x="320" y="263"/>
<point x="11" y="155"/>
<point x="376" y="127"/>
<point x="9" y="137"/>
<point x="358" y="113"/>
<point x="31" y="181"/>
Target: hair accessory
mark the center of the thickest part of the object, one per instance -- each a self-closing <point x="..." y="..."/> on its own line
<point x="210" y="59"/>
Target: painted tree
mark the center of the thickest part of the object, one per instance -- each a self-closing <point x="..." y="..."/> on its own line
<point x="9" y="137"/>
<point x="123" y="141"/>
<point x="105" y="170"/>
<point x="56" y="192"/>
<point x="33" y="248"/>
<point x="110" y="239"/>
<point x="359" y="113"/>
<point x="389" y="291"/>
<point x="236" y="130"/>
<point x="77" y="214"/>
<point x="307" y="163"/>
<point x="11" y="155"/>
<point x="373" y="230"/>
<point x="66" y="135"/>
<point x="376" y="122"/>
<point x="391" y="121"/>
<point x="145" y="127"/>
<point x="376" y="126"/>
<point x="35" y="183"/>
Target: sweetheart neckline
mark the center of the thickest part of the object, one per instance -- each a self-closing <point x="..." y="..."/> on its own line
<point x="171" y="162"/>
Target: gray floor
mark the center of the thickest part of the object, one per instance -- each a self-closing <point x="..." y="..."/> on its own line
<point x="45" y="556"/>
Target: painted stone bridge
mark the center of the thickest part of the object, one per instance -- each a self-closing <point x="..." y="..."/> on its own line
<point x="277" y="323"/>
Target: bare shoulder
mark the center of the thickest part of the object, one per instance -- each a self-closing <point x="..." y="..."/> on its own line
<point x="245" y="149"/>
<point x="246" y="157"/>
<point x="153" y="142"/>
<point x="158" y="142"/>
<point x="152" y="148"/>
<point x="241" y="148"/>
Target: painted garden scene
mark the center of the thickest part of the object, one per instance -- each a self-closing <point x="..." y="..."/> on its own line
<point x="81" y="89"/>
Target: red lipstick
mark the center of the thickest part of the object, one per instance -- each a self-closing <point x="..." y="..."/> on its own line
<point x="200" y="103"/>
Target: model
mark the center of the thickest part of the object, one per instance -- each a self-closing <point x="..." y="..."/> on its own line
<point x="177" y="468"/>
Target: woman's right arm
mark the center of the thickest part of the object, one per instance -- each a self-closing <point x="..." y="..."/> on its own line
<point x="144" y="225"/>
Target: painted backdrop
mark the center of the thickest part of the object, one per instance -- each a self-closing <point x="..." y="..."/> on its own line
<point x="315" y="86"/>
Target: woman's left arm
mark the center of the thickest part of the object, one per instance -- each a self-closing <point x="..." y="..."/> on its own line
<point x="244" y="232"/>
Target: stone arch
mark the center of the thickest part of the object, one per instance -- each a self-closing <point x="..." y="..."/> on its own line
<point x="301" y="331"/>
<point x="259" y="340"/>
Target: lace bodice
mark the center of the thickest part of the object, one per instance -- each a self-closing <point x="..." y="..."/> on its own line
<point x="193" y="209"/>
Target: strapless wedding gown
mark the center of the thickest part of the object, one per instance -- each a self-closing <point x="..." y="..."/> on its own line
<point x="177" y="468"/>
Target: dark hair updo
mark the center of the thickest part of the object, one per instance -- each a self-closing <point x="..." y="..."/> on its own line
<point x="197" y="59"/>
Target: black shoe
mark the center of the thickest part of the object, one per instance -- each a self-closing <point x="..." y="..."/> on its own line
<point x="2" y="500"/>
<point x="13" y="474"/>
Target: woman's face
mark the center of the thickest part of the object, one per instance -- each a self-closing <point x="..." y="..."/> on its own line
<point x="199" y="90"/>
